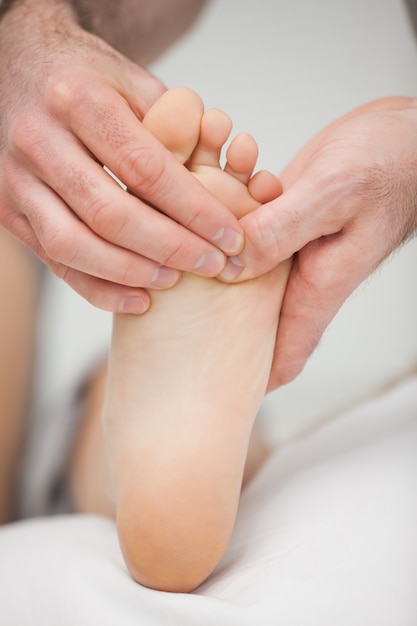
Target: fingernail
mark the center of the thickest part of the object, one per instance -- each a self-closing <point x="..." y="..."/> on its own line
<point x="229" y="240"/>
<point x="164" y="277"/>
<point x="232" y="269"/>
<point x="210" y="264"/>
<point x="134" y="305"/>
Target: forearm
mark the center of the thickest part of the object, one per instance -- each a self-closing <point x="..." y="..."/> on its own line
<point x="29" y="25"/>
<point x="140" y="30"/>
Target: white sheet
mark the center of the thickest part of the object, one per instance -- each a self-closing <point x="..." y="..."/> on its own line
<point x="326" y="534"/>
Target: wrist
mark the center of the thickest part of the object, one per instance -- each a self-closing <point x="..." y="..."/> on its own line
<point x="29" y="25"/>
<point x="34" y="36"/>
<point x="33" y="12"/>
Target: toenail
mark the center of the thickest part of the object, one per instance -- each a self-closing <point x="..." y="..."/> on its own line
<point x="210" y="264"/>
<point x="229" y="240"/>
<point x="232" y="269"/>
<point x="164" y="277"/>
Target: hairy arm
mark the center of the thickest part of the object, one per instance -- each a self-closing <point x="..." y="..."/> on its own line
<point x="350" y="199"/>
<point x="139" y="29"/>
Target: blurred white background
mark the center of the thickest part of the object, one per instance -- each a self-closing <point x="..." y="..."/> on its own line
<point x="282" y="69"/>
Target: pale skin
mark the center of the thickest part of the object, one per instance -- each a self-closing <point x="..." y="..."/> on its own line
<point x="70" y="103"/>
<point x="19" y="281"/>
<point x="50" y="64"/>
<point x="184" y="384"/>
<point x="354" y="183"/>
<point x="19" y="285"/>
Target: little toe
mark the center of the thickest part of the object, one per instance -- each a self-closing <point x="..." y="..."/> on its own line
<point x="215" y="129"/>
<point x="175" y="120"/>
<point x="241" y="157"/>
<point x="264" y="186"/>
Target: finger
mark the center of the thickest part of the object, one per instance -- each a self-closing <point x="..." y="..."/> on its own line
<point x="116" y="216"/>
<point x="140" y="88"/>
<point x="302" y="322"/>
<point x="317" y="287"/>
<point x="276" y="230"/>
<point x="147" y="168"/>
<point x="68" y="242"/>
<point x="100" y="293"/>
<point x="104" y="294"/>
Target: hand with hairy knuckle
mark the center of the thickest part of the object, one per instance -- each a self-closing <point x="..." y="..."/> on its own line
<point x="60" y="246"/>
<point x="102" y="219"/>
<point x="50" y="79"/>
<point x="360" y="184"/>
<point x="264" y="245"/>
<point x="64" y="93"/>
<point x="143" y="166"/>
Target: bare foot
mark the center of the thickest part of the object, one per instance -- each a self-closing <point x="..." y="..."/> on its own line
<point x="187" y="378"/>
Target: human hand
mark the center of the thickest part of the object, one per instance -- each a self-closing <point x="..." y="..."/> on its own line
<point x="349" y="200"/>
<point x="69" y="104"/>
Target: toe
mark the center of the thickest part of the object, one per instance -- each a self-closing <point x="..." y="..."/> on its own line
<point x="264" y="187"/>
<point x="175" y="121"/>
<point x="215" y="130"/>
<point x="241" y="157"/>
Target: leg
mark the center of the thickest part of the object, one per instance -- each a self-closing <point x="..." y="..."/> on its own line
<point x="19" y="282"/>
<point x="186" y="380"/>
<point x="88" y="480"/>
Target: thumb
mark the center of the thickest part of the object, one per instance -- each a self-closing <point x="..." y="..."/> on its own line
<point x="278" y="229"/>
<point x="317" y="287"/>
<point x="141" y="89"/>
